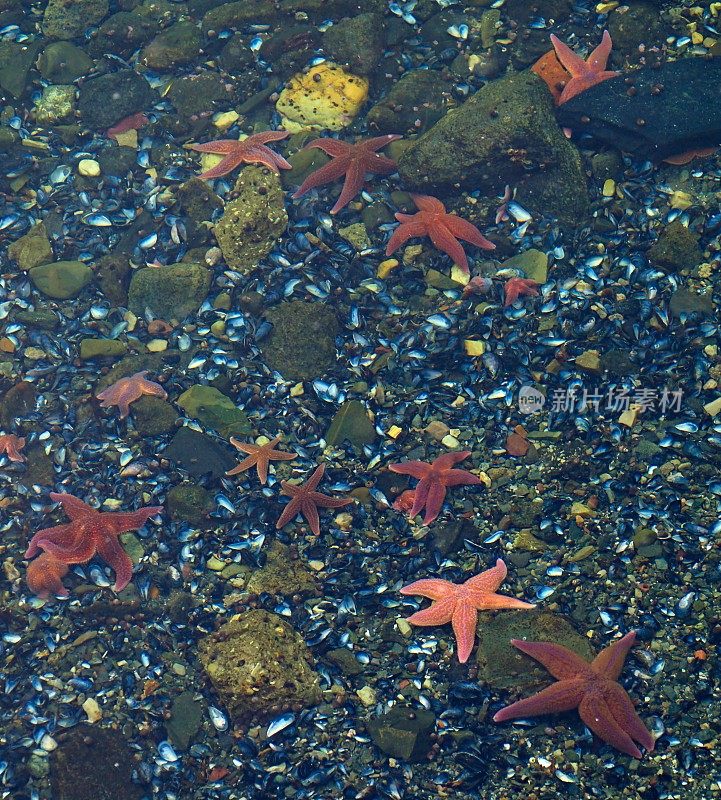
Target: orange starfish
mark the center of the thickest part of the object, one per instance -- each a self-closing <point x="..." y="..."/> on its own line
<point x="593" y="689"/>
<point x="10" y="444"/>
<point x="305" y="500"/>
<point x="459" y="604"/>
<point x="443" y="228"/>
<point x="127" y="390"/>
<point x="517" y="287"/>
<point x="260" y="457"/>
<point x="351" y="160"/>
<point x="584" y="74"/>
<point x="251" y="150"/>
<point x="45" y="576"/>
<point x="88" y="533"/>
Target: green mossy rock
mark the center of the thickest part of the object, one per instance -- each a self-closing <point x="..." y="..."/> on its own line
<point x="282" y="574"/>
<point x="505" y="134"/>
<point x="69" y="19"/>
<point x="186" y="716"/>
<point x="63" y="62"/>
<point x="301" y="345"/>
<point x="129" y="92"/>
<point x="403" y="732"/>
<point x="56" y="104"/>
<point x="352" y="423"/>
<point x="45" y="320"/>
<point x="676" y="248"/>
<point x="122" y="34"/>
<point x="685" y="301"/>
<point x="214" y="410"/>
<point x="16" y="61"/>
<point x="259" y="665"/>
<point x="197" y="202"/>
<point x="154" y="416"/>
<point x="504" y="667"/>
<point x="189" y="502"/>
<point x="169" y="293"/>
<point x="252" y="221"/>
<point x="174" y="47"/>
<point x="532" y="263"/>
<point x="356" y="42"/>
<point x="62" y="279"/>
<point x="102" y="348"/>
<point x="33" y="249"/>
<point x="420" y="95"/>
<point x="198" y="454"/>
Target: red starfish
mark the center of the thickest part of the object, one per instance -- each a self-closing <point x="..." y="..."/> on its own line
<point x="127" y="390"/>
<point x="260" y="457"/>
<point x="352" y="160"/>
<point x="131" y="123"/>
<point x="517" y="287"/>
<point x="459" y="604"/>
<point x="591" y="688"/>
<point x="306" y="501"/>
<point x="45" y="576"/>
<point x="10" y="444"/>
<point x="433" y="480"/>
<point x="88" y="533"/>
<point x="584" y="74"/>
<point x="251" y="150"/>
<point x="444" y="229"/>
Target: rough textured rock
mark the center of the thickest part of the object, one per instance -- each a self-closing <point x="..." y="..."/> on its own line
<point x="403" y="732"/>
<point x="105" y="100"/>
<point x="281" y="574"/>
<point x="356" y="42"/>
<point x="63" y="62"/>
<point x="153" y="416"/>
<point x="259" y="665"/>
<point x="301" y="345"/>
<point x="417" y="101"/>
<point x="177" y="45"/>
<point x="16" y="62"/>
<point x="505" y="134"/>
<point x="638" y="123"/>
<point x="633" y="26"/>
<point x="68" y="19"/>
<point x="189" y="502"/>
<point x="253" y="220"/>
<point x="214" y="410"/>
<point x="171" y="292"/>
<point x="32" y="249"/>
<point x="676" y="248"/>
<point x="351" y="423"/>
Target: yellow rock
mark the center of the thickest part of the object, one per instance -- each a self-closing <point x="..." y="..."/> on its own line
<point x="581" y="510"/>
<point x="89" y="168"/>
<point x="629" y="417"/>
<point x="609" y="187"/>
<point x="713" y="408"/>
<point x="394" y="431"/>
<point x="127" y="139"/>
<point x="157" y="345"/>
<point x="324" y="97"/>
<point x="459" y="276"/>
<point x="474" y="347"/>
<point x="385" y="267"/>
<point x="224" y="119"/>
<point x="681" y="200"/>
<point x="450" y="441"/>
<point x="297" y="390"/>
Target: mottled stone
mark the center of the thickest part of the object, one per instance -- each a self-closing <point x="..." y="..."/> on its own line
<point x="68" y="19"/>
<point x="403" y="732"/>
<point x="171" y="292"/>
<point x="214" y="410"/>
<point x="199" y="454"/>
<point x="62" y="279"/>
<point x="281" y="574"/>
<point x="32" y="249"/>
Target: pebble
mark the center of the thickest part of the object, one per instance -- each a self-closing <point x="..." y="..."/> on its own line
<point x="367" y="696"/>
<point x="88" y="168"/>
<point x="92" y="710"/>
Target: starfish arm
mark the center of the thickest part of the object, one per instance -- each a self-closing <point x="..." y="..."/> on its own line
<point x="111" y="551"/>
<point x="260" y="154"/>
<point x="492" y="602"/>
<point x="432" y="588"/>
<point x="246" y="464"/>
<point x="326" y="174"/>
<point x="416" y="469"/>
<point x="325" y="501"/>
<point x="153" y="389"/>
<point x="462" y="229"/>
<point x="73" y="506"/>
<point x="312" y="483"/>
<point x="64" y="534"/>
<point x="278" y="160"/>
<point x="289" y="513"/>
<point x="439" y="613"/>
<point x="245" y="447"/>
<point x="464" y="622"/>
<point x="558" y="697"/>
<point x="460" y="477"/>
<point x="427" y="203"/>
<point x="447" y="243"/>
<point x="599" y="57"/>
<point x="117" y="522"/>
<point x="228" y="164"/>
<point x="331" y="147"/>
<point x="221" y="147"/>
<point x="281" y="455"/>
<point x="378" y="142"/>
<point x="381" y="165"/>
<point x="420" y="496"/>
<point x="447" y="460"/>
<point x="270" y="136"/>
<point x="570" y="60"/>
<point x="609" y="662"/>
<point x="434" y="501"/>
<point x="490" y="579"/>
<point x="625" y="715"/>
<point x="73" y="548"/>
<point x="44" y="576"/>
<point x="261" y="468"/>
<point x="309" y="510"/>
<point x="595" y="712"/>
<point x="558" y="660"/>
<point x="404" y="232"/>
<point x="354" y="179"/>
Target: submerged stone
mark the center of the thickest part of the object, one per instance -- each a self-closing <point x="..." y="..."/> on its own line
<point x="417" y="101"/>
<point x="189" y="502"/>
<point x="199" y="454"/>
<point x="676" y="248"/>
<point x="260" y="666"/>
<point x="102" y="348"/>
<point x="68" y="20"/>
<point x="154" y="416"/>
<point x="128" y="91"/>
<point x="356" y="42"/>
<point x="32" y="249"/>
<point x="63" y="62"/>
<point x="177" y="45"/>
<point x="214" y="410"/>
<point x="281" y="574"/>
<point x="186" y="716"/>
<point x="403" y="732"/>
<point x="171" y="292"/>
<point x="62" y="279"/>
<point x="352" y="423"/>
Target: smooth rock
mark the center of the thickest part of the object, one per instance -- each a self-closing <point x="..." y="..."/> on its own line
<point x="171" y="292"/>
<point x="214" y="410"/>
<point x="403" y="732"/>
<point x="199" y="454"/>
<point x="62" y="279"/>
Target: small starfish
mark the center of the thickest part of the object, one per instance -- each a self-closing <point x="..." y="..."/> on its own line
<point x="10" y="444"/>
<point x="459" y="604"/>
<point x="443" y="228"/>
<point x="584" y="74"/>
<point x="260" y="457"/>
<point x="352" y="160"/>
<point x="131" y="123"/>
<point x="433" y="480"/>
<point x="305" y="500"/>
<point x="45" y="576"/>
<point x="591" y="688"/>
<point x="88" y="533"/>
<point x="127" y="390"/>
<point x="251" y="150"/>
<point x="517" y="287"/>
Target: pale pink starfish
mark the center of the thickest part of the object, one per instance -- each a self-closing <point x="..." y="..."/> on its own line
<point x="127" y="390"/>
<point x="584" y="74"/>
<point x="251" y="150"/>
<point x="459" y="604"/>
<point x="10" y="444"/>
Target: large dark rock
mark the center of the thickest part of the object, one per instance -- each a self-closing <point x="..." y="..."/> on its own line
<point x="199" y="454"/>
<point x="673" y="108"/>
<point x="106" y="100"/>
<point x="505" y="134"/>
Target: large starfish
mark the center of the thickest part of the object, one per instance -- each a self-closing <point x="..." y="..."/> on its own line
<point x="306" y="501"/>
<point x="444" y="230"/>
<point x="251" y="150"/>
<point x="459" y="604"/>
<point x="584" y="74"/>
<point x="433" y="479"/>
<point x="10" y="444"/>
<point x="88" y="533"/>
<point x="127" y="390"/>
<point x="260" y="456"/>
<point x="591" y="688"/>
<point x="352" y="160"/>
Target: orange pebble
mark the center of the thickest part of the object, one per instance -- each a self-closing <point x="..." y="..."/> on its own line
<point x="700" y="655"/>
